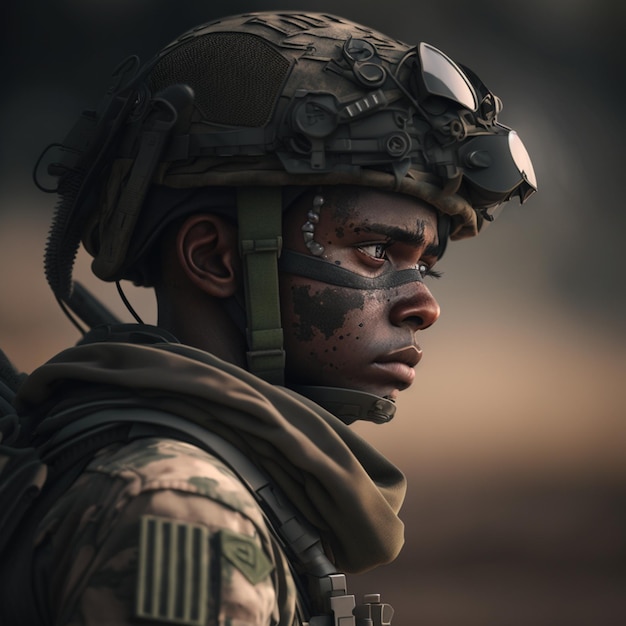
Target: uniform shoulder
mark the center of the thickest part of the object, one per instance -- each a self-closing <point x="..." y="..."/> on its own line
<point x="158" y="464"/>
<point x="158" y="509"/>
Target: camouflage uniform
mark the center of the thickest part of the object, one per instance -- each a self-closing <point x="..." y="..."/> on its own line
<point x="163" y="530"/>
<point x="107" y="546"/>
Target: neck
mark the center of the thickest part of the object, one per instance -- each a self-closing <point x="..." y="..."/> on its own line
<point x="205" y="326"/>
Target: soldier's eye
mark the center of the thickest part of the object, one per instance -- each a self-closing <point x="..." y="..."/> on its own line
<point x="375" y="250"/>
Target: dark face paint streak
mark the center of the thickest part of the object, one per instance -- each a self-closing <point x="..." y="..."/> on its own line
<point x="325" y="310"/>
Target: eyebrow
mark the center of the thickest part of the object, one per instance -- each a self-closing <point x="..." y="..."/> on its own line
<point x="413" y="238"/>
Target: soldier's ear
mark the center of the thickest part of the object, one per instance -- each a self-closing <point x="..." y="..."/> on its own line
<point x="207" y="250"/>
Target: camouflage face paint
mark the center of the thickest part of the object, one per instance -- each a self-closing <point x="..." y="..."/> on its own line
<point x="325" y="310"/>
<point x="347" y="313"/>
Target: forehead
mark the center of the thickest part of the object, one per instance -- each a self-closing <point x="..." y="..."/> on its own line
<point x="364" y="209"/>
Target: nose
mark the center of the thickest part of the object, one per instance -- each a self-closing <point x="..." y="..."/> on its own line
<point x="415" y="307"/>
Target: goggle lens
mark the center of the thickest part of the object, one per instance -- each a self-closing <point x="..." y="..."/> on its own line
<point x="443" y="77"/>
<point x="521" y="158"/>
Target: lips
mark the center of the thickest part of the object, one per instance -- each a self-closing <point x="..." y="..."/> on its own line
<point x="399" y="365"/>
<point x="410" y="356"/>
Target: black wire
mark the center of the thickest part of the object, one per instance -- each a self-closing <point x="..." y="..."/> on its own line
<point x="127" y="303"/>
<point x="70" y="316"/>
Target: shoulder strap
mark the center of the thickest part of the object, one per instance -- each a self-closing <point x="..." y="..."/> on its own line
<point x="296" y="534"/>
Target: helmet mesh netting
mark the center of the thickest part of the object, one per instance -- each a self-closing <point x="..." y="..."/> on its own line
<point x="236" y="76"/>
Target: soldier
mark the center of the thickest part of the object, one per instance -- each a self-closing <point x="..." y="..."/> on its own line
<point x="286" y="183"/>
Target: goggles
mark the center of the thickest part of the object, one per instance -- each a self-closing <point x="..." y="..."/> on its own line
<point x="496" y="166"/>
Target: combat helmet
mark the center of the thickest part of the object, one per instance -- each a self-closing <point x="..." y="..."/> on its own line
<point x="248" y="105"/>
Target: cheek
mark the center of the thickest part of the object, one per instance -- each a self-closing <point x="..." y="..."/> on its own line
<point x="323" y="312"/>
<point x="323" y="334"/>
<point x="331" y="334"/>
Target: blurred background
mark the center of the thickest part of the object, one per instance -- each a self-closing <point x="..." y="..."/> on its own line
<point x="512" y="436"/>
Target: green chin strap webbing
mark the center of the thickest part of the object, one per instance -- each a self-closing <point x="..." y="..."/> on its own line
<point x="260" y="241"/>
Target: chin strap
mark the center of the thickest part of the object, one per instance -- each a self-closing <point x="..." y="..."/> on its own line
<point x="349" y="405"/>
<point x="260" y="242"/>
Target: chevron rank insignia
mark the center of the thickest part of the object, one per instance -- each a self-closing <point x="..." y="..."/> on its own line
<point x="246" y="555"/>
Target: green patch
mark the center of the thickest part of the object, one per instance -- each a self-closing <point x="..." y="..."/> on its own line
<point x="246" y="555"/>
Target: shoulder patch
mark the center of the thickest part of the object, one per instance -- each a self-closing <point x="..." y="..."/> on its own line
<point x="173" y="572"/>
<point x="245" y="554"/>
